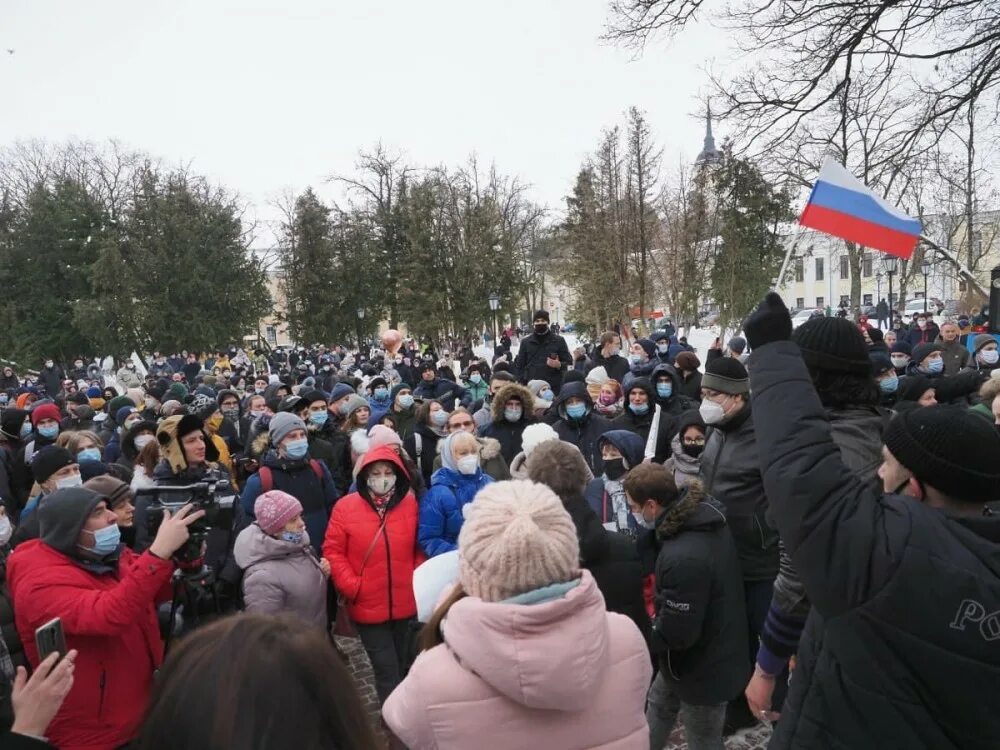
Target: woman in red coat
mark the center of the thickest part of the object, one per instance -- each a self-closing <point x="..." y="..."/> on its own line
<point x="371" y="544"/>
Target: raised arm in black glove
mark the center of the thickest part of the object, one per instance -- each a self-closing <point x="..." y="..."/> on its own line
<point x="769" y="322"/>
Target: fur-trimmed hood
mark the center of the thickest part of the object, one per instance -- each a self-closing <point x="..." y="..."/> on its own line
<point x="694" y="510"/>
<point x="509" y="391"/>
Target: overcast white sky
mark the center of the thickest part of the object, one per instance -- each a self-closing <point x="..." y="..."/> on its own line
<point x="264" y="95"/>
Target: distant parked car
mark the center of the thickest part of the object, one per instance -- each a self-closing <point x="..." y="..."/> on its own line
<point x="801" y="317"/>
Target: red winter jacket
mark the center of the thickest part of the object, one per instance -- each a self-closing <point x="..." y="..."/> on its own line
<point x="385" y="590"/>
<point x="111" y="620"/>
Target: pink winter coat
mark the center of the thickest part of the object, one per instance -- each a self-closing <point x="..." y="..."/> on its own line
<point x="560" y="674"/>
<point x="280" y="577"/>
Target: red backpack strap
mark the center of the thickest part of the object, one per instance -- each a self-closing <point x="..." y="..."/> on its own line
<point x="266" y="479"/>
<point x="317" y="469"/>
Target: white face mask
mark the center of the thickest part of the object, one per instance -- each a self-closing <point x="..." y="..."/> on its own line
<point x="642" y="522"/>
<point x="142" y="441"/>
<point x="468" y="464"/>
<point x="74" y="480"/>
<point x="711" y="412"/>
<point x="6" y="530"/>
<point x="900" y="361"/>
<point x="382" y="485"/>
<point x="989" y="356"/>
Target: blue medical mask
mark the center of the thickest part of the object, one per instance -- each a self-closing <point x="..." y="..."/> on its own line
<point x="935" y="366"/>
<point x="89" y="454"/>
<point x="319" y="417"/>
<point x="381" y="393"/>
<point x="297" y="448"/>
<point x="576" y="411"/>
<point x="295" y="537"/>
<point x="512" y="415"/>
<point x="406" y="400"/>
<point x="475" y="378"/>
<point x="25" y="428"/>
<point x="639" y="409"/>
<point x="546" y="395"/>
<point x="664" y="390"/>
<point x="440" y="417"/>
<point x="889" y="385"/>
<point x="256" y="413"/>
<point x="634" y="359"/>
<point x="49" y="431"/>
<point x="106" y="540"/>
<point x="662" y="348"/>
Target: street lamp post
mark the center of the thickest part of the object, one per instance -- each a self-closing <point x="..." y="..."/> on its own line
<point x="494" y="306"/>
<point x="925" y="269"/>
<point x="878" y="287"/>
<point x="361" y="317"/>
<point x="890" y="264"/>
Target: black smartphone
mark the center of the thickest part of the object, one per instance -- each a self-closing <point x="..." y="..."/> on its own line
<point x="50" y="637"/>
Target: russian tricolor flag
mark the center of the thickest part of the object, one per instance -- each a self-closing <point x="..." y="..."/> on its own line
<point x="842" y="206"/>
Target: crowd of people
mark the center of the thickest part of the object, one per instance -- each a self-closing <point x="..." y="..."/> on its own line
<point x="542" y="547"/>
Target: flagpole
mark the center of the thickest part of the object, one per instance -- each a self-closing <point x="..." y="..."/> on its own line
<point x="962" y="270"/>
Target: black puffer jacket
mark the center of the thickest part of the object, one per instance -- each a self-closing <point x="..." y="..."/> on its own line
<point x="583" y="433"/>
<point x="900" y="648"/>
<point x="699" y="630"/>
<point x="530" y="363"/>
<point x="730" y="469"/>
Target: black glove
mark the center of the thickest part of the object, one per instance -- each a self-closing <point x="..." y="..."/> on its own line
<point x="769" y="322"/>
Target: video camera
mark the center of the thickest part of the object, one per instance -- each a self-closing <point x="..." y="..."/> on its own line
<point x="215" y="496"/>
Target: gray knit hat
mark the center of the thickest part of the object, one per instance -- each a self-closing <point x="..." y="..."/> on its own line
<point x="726" y="375"/>
<point x="281" y="424"/>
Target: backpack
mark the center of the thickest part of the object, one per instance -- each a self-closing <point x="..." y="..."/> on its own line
<point x="267" y="478"/>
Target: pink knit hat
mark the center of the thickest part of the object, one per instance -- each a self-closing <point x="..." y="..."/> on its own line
<point x="274" y="509"/>
<point x="517" y="536"/>
<point x="382" y="435"/>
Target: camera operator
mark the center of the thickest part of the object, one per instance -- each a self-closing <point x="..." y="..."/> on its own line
<point x="105" y="595"/>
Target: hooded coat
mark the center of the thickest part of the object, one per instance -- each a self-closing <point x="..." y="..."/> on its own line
<point x="508" y="434"/>
<point x="631" y="446"/>
<point x="641" y="424"/>
<point x="583" y="433"/>
<point x="560" y="673"/>
<point x="280" y="576"/>
<point x="380" y="588"/>
<point x="699" y="631"/>
<point x="108" y="614"/>
<point x="897" y="650"/>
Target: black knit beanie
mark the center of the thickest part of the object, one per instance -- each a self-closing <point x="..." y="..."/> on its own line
<point x="726" y="375"/>
<point x="912" y="387"/>
<point x="922" y="351"/>
<point x="833" y="344"/>
<point x="541" y="315"/>
<point x="950" y="449"/>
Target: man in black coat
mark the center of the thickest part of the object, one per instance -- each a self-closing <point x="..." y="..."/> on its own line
<point x="607" y="354"/>
<point x="698" y="630"/>
<point x="900" y="649"/>
<point x="433" y="388"/>
<point x="610" y="557"/>
<point x="543" y="355"/>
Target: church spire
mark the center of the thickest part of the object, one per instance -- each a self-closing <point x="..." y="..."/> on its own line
<point x="709" y="153"/>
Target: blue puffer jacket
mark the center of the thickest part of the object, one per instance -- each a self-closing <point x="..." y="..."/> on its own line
<point x="441" y="508"/>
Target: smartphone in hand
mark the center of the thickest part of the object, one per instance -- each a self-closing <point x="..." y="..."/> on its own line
<point x="50" y="637"/>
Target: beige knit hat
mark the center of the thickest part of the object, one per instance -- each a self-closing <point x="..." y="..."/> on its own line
<point x="516" y="537"/>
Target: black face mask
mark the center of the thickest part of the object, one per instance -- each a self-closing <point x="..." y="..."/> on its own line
<point x="692" y="450"/>
<point x="541" y="328"/>
<point x="614" y="468"/>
